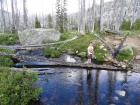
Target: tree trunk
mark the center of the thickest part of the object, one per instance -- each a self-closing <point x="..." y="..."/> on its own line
<point x="13" y="17"/>
<point x="93" y="15"/>
<point x="25" y="14"/>
<point x="3" y="16"/>
<point x="101" y="14"/>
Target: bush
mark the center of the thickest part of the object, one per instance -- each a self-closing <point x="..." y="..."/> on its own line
<point x="49" y="52"/>
<point x="17" y="88"/>
<point x="124" y="55"/>
<point x="136" y="25"/>
<point x="99" y="53"/>
<point x="125" y="25"/>
<point x="6" y="61"/>
<point x="7" y="39"/>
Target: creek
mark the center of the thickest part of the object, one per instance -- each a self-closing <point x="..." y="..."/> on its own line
<point x="76" y="86"/>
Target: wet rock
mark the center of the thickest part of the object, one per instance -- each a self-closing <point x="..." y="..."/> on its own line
<point x="70" y="53"/>
<point x="23" y="51"/>
<point x="44" y="99"/>
<point x="120" y="93"/>
<point x="78" y="84"/>
<point x="115" y="98"/>
<point x="82" y="53"/>
<point x="137" y="57"/>
<point x="29" y="49"/>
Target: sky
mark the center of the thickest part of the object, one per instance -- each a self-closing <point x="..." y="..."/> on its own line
<point x="48" y="6"/>
<point x="45" y="6"/>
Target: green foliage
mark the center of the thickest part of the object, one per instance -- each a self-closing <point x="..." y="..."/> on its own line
<point x="50" y="24"/>
<point x="37" y="22"/>
<point x="6" y="39"/>
<point x="49" y="52"/>
<point x="66" y="35"/>
<point x="124" y="55"/>
<point x="99" y="53"/>
<point x="125" y="25"/>
<point x="61" y="16"/>
<point x="136" y="25"/>
<point x="17" y="87"/>
<point x="6" y="61"/>
<point x="83" y="56"/>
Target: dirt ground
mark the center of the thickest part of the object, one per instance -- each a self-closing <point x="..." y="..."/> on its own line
<point x="133" y="40"/>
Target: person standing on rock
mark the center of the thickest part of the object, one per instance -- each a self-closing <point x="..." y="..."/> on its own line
<point x="90" y="52"/>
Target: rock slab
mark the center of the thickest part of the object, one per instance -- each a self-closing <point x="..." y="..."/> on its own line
<point x="38" y="36"/>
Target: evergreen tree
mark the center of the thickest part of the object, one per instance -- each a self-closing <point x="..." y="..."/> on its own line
<point x="58" y="15"/>
<point x="50" y="25"/>
<point x="37" y="22"/>
<point x="136" y="25"/>
<point x="125" y="25"/>
<point x="61" y="15"/>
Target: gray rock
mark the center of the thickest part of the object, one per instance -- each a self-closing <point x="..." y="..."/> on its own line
<point x="120" y="93"/>
<point x="137" y="57"/>
<point x="129" y="47"/>
<point x="37" y="36"/>
<point x="81" y="53"/>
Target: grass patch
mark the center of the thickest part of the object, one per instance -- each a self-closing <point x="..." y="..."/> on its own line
<point x="17" y="87"/>
<point x="51" y="52"/>
<point x="99" y="52"/>
<point x="131" y="32"/>
<point x="7" y="39"/>
<point x="67" y="35"/>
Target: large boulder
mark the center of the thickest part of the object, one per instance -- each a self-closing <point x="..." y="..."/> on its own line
<point x="38" y="36"/>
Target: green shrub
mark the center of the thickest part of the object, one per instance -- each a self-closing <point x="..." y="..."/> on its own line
<point x="136" y="25"/>
<point x="17" y="87"/>
<point x="124" y="55"/>
<point x="49" y="52"/>
<point x="83" y="56"/>
<point x="6" y="39"/>
<point x="99" y="53"/>
<point x="125" y="25"/>
<point x="6" y="61"/>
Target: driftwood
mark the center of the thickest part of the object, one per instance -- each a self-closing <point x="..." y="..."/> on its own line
<point x="38" y="46"/>
<point x="56" y="63"/>
<point x="111" y="49"/>
<point x="113" y="32"/>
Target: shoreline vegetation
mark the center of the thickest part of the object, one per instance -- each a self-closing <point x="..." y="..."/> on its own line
<point x="22" y="82"/>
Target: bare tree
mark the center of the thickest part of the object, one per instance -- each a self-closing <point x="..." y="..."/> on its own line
<point x="134" y="2"/>
<point x="93" y="15"/>
<point x="13" y="17"/>
<point x="25" y="14"/>
<point x="16" y="16"/>
<point x="101" y="14"/>
<point x="81" y="26"/>
<point x="3" y="16"/>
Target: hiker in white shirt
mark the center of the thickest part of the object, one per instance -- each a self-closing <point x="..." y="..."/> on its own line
<point x="90" y="52"/>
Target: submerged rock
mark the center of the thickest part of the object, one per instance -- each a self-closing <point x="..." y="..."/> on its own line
<point x="120" y="93"/>
<point x="38" y="36"/>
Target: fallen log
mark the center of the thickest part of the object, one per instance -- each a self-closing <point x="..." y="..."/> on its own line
<point x="119" y="47"/>
<point x="38" y="46"/>
<point x="113" y="32"/>
<point x="56" y="63"/>
<point x="111" y="49"/>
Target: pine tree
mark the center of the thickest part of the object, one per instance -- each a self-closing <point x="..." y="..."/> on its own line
<point x="61" y="15"/>
<point x="37" y="22"/>
<point x="50" y="25"/>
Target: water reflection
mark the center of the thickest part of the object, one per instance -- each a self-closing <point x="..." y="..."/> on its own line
<point x="69" y="86"/>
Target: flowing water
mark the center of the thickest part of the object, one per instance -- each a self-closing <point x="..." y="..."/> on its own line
<point x="75" y="86"/>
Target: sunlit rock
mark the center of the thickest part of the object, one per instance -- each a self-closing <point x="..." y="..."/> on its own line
<point x="137" y="57"/>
